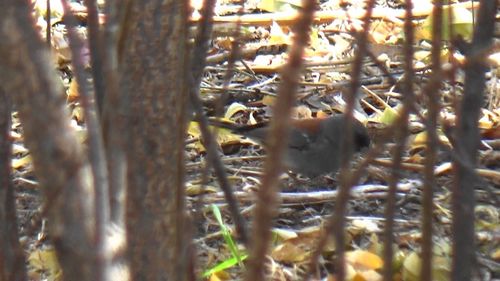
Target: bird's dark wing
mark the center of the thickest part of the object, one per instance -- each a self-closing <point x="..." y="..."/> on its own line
<point x="299" y="140"/>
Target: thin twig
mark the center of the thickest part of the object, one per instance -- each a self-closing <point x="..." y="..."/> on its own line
<point x="198" y="62"/>
<point x="277" y="139"/>
<point x="432" y="91"/>
<point x="402" y="132"/>
<point x="96" y="148"/>
<point x="467" y="146"/>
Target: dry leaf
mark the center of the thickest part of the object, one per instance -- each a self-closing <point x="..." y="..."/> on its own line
<point x="364" y="260"/>
<point x="21" y="162"/>
<point x="72" y="92"/>
<point x="462" y="24"/>
<point x="279" y="5"/>
<point x="197" y="189"/>
<point x="278" y="36"/>
<point x="233" y="109"/>
<point x="46" y="261"/>
<point x="285" y="234"/>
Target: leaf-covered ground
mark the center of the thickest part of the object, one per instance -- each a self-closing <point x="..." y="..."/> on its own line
<point x="264" y="36"/>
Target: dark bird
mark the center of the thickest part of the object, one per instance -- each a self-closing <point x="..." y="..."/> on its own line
<point x="314" y="145"/>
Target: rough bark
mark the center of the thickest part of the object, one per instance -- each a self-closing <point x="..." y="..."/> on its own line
<point x="464" y="248"/>
<point x="154" y="100"/>
<point x="29" y="78"/>
<point x="11" y="257"/>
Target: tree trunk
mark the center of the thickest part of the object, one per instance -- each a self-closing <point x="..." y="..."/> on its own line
<point x="154" y="101"/>
<point x="28" y="76"/>
<point x="11" y="257"/>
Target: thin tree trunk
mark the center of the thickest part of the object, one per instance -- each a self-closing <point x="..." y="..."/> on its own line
<point x="153" y="88"/>
<point x="29" y="78"/>
<point x="11" y="256"/>
<point x="464" y="248"/>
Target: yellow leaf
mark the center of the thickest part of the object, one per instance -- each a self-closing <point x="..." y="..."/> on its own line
<point x="364" y="260"/>
<point x="365" y="226"/>
<point x="220" y="276"/>
<point x="277" y="36"/>
<point x="21" y="162"/>
<point x="194" y="129"/>
<point x="233" y="109"/>
<point x="197" y="189"/>
<point x="462" y="24"/>
<point x="420" y="140"/>
<point x="267" y="5"/>
<point x="411" y="267"/>
<point x="487" y="120"/>
<point x="279" y="5"/>
<point x="440" y="267"/>
<point x="350" y="272"/>
<point x="358" y="277"/>
<point x="367" y="275"/>
<point x="56" y="8"/>
<point x="78" y="114"/>
<point x="422" y="55"/>
<point x="72" y="92"/>
<point x="46" y="261"/>
<point x="496" y="254"/>
<point x="268" y="100"/>
<point x="388" y="116"/>
<point x="227" y="137"/>
<point x="314" y="40"/>
<point x="296" y="3"/>
<point x="224" y="136"/>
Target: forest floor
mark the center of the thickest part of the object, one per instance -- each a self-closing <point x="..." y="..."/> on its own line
<point x="307" y="204"/>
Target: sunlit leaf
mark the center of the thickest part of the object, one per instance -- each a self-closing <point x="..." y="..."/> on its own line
<point x="367" y="275"/>
<point x="289" y="252"/>
<point x="46" y="261"/>
<point x="72" y="92"/>
<point x="197" y="189"/>
<point x="462" y="24"/>
<point x="388" y="116"/>
<point x="277" y="36"/>
<point x="223" y="265"/>
<point x="441" y="265"/>
<point x="18" y="149"/>
<point x="251" y="119"/>
<point x="225" y="137"/>
<point x="420" y="140"/>
<point x="314" y="40"/>
<point x="411" y="267"/>
<point x="56" y="8"/>
<point x="364" y="260"/>
<point x="21" y="162"/>
<point x="279" y="5"/>
<point x="268" y="100"/>
<point x="78" y="114"/>
<point x="285" y="234"/>
<point x="233" y="109"/>
<point x="496" y="254"/>
<point x="365" y="225"/>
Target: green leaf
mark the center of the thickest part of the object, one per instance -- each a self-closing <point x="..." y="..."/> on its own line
<point x="224" y="265"/>
<point x="233" y="248"/>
